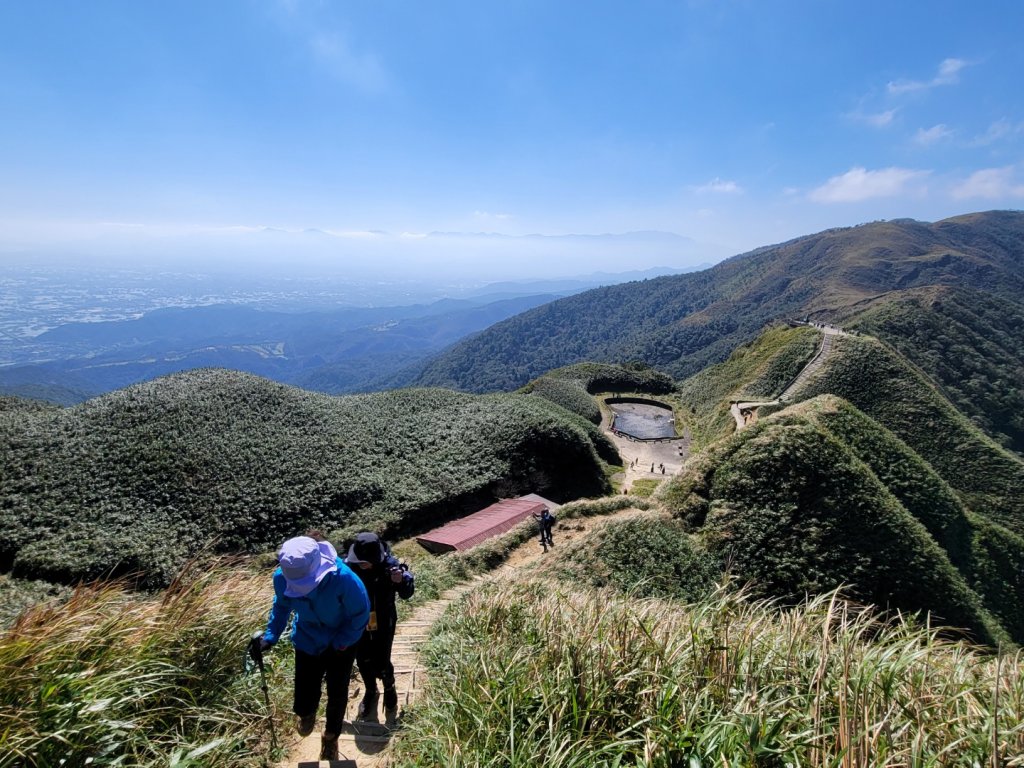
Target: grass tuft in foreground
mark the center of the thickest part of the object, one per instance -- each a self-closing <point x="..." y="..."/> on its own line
<point x="110" y="678"/>
<point x="542" y="674"/>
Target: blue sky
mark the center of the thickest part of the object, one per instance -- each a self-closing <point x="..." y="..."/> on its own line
<point x="170" y="131"/>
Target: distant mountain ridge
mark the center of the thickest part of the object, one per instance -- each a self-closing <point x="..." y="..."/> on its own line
<point x="342" y="350"/>
<point x="682" y="323"/>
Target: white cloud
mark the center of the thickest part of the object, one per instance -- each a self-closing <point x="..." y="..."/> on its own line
<point x="860" y="184"/>
<point x="488" y="216"/>
<point x="998" y="131"/>
<point x="360" y="70"/>
<point x="949" y="71"/>
<point x="877" y="119"/>
<point x="947" y="74"/>
<point x="991" y="183"/>
<point x="354" y="234"/>
<point x="928" y="136"/>
<point x="719" y="186"/>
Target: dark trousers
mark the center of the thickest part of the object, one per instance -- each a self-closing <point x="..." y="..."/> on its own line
<point x="335" y="667"/>
<point x="373" y="655"/>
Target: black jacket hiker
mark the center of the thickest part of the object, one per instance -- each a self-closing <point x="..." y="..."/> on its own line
<point x="385" y="578"/>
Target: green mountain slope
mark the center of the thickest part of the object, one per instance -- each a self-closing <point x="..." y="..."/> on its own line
<point x="680" y="324"/>
<point x="871" y="479"/>
<point x="754" y="372"/>
<point x="879" y="382"/>
<point x="571" y="387"/>
<point x="968" y="341"/>
<point x="142" y="478"/>
<point x="792" y="509"/>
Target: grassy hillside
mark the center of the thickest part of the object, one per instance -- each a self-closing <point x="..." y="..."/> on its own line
<point x="792" y="509"/>
<point x="112" y="678"/>
<point x="870" y="375"/>
<point x="969" y="342"/>
<point x="681" y="324"/>
<point x="921" y="485"/>
<point x="755" y="372"/>
<point x="551" y="674"/>
<point x="143" y="478"/>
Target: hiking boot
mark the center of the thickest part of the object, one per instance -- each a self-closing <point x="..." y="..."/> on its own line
<point x="390" y="706"/>
<point x="329" y="746"/>
<point x="367" y="711"/>
<point x="306" y="724"/>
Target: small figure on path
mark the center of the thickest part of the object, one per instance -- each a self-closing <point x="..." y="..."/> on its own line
<point x="545" y="522"/>
<point x="331" y="610"/>
<point x="384" y="577"/>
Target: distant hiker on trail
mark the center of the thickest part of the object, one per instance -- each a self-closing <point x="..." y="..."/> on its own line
<point x="331" y="610"/>
<point x="545" y="522"/>
<point x="384" y="577"/>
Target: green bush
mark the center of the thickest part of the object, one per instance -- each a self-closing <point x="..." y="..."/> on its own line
<point x="645" y="557"/>
<point x="138" y="480"/>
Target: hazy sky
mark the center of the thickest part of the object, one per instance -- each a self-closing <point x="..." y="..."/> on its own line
<point x="179" y="130"/>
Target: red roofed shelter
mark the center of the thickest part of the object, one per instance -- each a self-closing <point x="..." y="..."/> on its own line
<point x="473" y="529"/>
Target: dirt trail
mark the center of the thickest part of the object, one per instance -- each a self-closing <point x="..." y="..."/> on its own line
<point x="745" y="414"/>
<point x="364" y="745"/>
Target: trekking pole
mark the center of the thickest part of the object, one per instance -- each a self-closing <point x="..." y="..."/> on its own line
<point x="256" y="653"/>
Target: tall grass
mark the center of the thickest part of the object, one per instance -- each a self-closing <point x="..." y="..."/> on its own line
<point x="543" y="674"/>
<point x="110" y="678"/>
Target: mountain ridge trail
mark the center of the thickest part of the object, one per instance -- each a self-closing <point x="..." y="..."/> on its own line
<point x="745" y="413"/>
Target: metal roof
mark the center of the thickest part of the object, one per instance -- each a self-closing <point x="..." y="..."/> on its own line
<point x="473" y="529"/>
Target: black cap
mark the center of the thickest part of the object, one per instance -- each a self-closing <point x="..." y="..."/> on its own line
<point x="367" y="548"/>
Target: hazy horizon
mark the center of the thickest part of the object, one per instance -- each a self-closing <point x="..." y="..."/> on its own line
<point x="495" y="142"/>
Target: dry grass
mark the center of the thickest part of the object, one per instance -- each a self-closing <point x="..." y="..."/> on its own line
<point x="111" y="678"/>
<point x="542" y="674"/>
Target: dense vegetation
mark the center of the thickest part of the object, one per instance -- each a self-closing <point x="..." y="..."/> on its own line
<point x="552" y="675"/>
<point x="971" y="343"/>
<point x="112" y="678"/>
<point x="867" y="373"/>
<point x="140" y="479"/>
<point x="644" y="556"/>
<point x="681" y="324"/>
<point x="793" y="510"/>
<point x="571" y="387"/>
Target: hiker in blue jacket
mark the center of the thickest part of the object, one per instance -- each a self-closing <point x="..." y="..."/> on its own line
<point x="385" y="578"/>
<point x="331" y="611"/>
